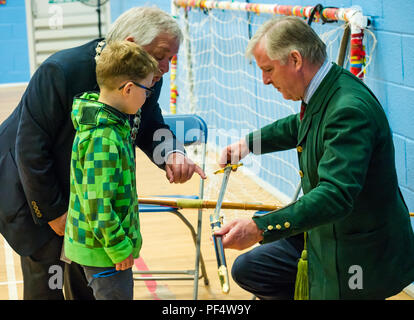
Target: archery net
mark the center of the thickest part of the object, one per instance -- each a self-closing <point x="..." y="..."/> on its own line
<point x="215" y="80"/>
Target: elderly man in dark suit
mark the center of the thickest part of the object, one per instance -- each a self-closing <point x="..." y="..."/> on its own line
<point x="359" y="243"/>
<point x="36" y="141"/>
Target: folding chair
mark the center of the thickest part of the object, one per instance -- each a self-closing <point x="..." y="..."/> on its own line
<point x="191" y="130"/>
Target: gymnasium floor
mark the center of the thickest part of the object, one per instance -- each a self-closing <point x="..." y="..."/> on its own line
<point x="167" y="243"/>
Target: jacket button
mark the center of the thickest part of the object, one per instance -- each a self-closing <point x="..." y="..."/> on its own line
<point x="287" y="225"/>
<point x="301" y="173"/>
<point x="34" y="205"/>
<point x="38" y="214"/>
<point x="278" y="227"/>
<point x="270" y="227"/>
<point x="299" y="148"/>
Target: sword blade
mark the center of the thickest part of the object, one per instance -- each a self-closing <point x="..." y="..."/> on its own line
<point x="222" y="192"/>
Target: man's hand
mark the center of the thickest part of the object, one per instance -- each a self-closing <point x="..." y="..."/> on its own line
<point x="240" y="234"/>
<point x="179" y="168"/>
<point x="234" y="153"/>
<point x="125" y="264"/>
<point x="58" y="225"/>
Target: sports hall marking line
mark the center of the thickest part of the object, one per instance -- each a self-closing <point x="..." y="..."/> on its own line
<point x="151" y="284"/>
<point x="7" y="282"/>
<point x="11" y="276"/>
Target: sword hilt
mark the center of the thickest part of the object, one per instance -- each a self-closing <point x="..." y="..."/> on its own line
<point x="232" y="166"/>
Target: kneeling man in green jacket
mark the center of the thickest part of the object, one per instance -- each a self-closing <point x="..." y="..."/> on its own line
<point x="352" y="212"/>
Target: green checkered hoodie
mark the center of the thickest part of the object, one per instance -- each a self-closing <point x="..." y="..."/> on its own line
<point x="102" y="226"/>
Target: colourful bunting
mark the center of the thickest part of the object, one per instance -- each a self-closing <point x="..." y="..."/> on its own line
<point x="351" y="15"/>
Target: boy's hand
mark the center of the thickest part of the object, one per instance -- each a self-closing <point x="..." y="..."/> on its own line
<point x="125" y="264"/>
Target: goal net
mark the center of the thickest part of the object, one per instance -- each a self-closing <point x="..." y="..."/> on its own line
<point x="214" y="80"/>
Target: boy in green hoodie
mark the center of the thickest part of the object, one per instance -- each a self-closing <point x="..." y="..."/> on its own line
<point x="102" y="229"/>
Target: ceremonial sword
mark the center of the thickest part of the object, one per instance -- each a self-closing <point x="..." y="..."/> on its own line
<point x="216" y="221"/>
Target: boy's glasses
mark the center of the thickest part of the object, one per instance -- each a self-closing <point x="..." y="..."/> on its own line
<point x="148" y="91"/>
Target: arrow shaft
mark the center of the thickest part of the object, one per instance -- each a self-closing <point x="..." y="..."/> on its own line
<point x="207" y="204"/>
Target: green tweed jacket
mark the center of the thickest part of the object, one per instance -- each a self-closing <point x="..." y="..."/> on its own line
<point x="102" y="226"/>
<point x="360" y="241"/>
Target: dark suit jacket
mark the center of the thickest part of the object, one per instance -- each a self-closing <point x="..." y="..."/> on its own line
<point x="36" y="142"/>
<point x="352" y="208"/>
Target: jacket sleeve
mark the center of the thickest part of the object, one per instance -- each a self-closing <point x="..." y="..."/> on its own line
<point x="277" y="136"/>
<point x="154" y="137"/>
<point x="42" y="115"/>
<point x="341" y="171"/>
<point x="101" y="177"/>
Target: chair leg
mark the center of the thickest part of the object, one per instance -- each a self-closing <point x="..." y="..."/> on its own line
<point x="197" y="260"/>
<point x="194" y="235"/>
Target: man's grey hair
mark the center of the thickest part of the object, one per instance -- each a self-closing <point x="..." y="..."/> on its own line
<point x="144" y="24"/>
<point x="282" y="35"/>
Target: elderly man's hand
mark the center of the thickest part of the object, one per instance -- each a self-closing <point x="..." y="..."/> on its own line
<point x="240" y="234"/>
<point x="180" y="169"/>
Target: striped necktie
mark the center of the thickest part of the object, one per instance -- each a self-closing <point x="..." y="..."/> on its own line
<point x="302" y="110"/>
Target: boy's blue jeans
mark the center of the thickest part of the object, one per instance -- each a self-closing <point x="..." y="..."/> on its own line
<point x="115" y="286"/>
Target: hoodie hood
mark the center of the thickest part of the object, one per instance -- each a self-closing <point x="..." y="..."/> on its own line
<point x="88" y="113"/>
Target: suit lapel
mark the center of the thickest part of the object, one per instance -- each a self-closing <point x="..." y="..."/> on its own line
<point x="319" y="99"/>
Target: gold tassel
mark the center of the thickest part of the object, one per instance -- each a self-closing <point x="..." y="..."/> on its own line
<point x="302" y="282"/>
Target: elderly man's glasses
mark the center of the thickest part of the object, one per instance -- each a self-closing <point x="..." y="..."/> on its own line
<point x="148" y="91"/>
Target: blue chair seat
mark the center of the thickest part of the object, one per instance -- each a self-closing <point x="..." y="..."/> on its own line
<point x="159" y="208"/>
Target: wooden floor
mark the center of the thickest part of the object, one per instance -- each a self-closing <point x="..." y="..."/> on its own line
<point x="167" y="243"/>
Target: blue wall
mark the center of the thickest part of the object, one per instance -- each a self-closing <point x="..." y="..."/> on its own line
<point x="14" y="54"/>
<point x="390" y="76"/>
<point x="120" y="6"/>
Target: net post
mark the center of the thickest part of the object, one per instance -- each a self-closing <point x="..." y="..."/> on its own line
<point x="173" y="75"/>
